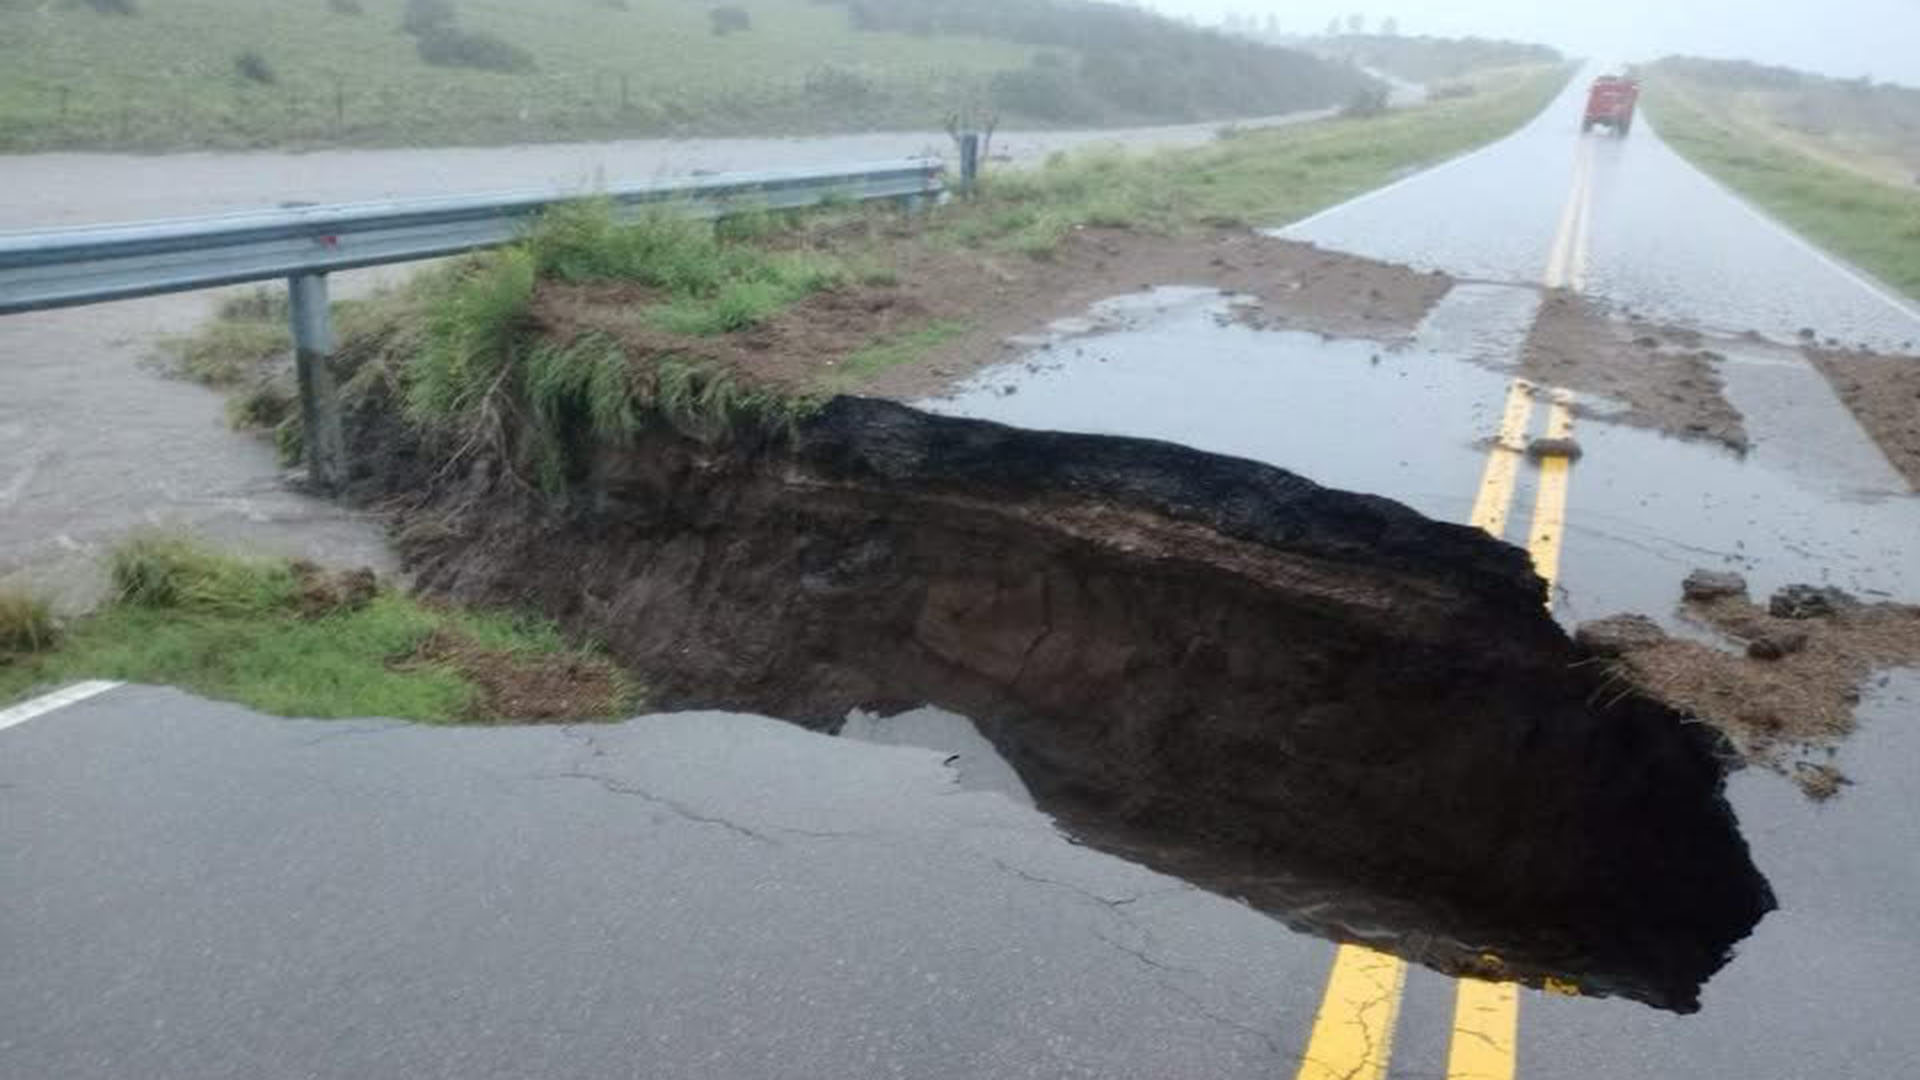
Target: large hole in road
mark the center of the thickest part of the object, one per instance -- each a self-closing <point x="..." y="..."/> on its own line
<point x="1356" y="718"/>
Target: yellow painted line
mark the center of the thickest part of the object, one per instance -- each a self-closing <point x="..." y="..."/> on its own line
<point x="1550" y="505"/>
<point x="1486" y="1015"/>
<point x="1577" y="264"/>
<point x="1491" y="506"/>
<point x="1486" y="1031"/>
<point x="1353" y="1032"/>
<point x="1560" y="259"/>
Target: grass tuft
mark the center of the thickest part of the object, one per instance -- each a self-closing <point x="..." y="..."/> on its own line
<point x="27" y="624"/>
<point x="236" y="629"/>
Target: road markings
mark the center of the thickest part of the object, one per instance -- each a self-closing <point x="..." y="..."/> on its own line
<point x="1565" y="262"/>
<point x="59" y="699"/>
<point x="1491" y="506"/>
<point x="1550" y="505"/>
<point x="1486" y="1031"/>
<point x="1353" y="1032"/>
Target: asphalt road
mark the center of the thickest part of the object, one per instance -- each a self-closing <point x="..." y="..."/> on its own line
<point x="195" y="891"/>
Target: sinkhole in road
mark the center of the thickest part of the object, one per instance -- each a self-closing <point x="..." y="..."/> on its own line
<point x="1354" y="717"/>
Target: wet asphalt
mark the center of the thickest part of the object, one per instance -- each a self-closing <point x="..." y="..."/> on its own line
<point x="197" y="891"/>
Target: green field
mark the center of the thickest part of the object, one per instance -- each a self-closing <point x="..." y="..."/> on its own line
<point x="1873" y="224"/>
<point x="194" y="74"/>
<point x="166" y="77"/>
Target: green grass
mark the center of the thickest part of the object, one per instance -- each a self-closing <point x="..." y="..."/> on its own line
<point x="26" y="624"/>
<point x="231" y="629"/>
<point x="893" y="351"/>
<point x="1257" y="178"/>
<point x="165" y="78"/>
<point x="1873" y="225"/>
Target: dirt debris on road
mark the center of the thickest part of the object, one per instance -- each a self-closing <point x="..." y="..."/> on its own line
<point x="1883" y="393"/>
<point x="1785" y="694"/>
<point x="1662" y="377"/>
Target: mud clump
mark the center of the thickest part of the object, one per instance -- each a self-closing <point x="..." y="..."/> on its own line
<point x="1660" y="376"/>
<point x="524" y="689"/>
<point x="319" y="592"/>
<point x="1784" y="693"/>
<point x="1212" y="666"/>
<point x="1884" y="394"/>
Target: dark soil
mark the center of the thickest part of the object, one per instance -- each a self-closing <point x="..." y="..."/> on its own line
<point x="1884" y="394"/>
<point x="1662" y="376"/>
<point x="996" y="296"/>
<point x="1788" y="695"/>
<point x="1210" y="665"/>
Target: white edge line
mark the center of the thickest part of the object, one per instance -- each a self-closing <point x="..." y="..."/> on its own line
<point x="59" y="699"/>
<point x="1854" y="274"/>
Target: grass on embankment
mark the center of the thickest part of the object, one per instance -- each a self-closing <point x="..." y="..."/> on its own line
<point x="1875" y="226"/>
<point x="1262" y="178"/>
<point x="287" y="639"/>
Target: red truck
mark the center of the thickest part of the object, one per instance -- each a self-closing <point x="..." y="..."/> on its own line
<point x="1611" y="102"/>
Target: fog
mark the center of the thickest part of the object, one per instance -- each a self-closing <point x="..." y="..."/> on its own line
<point x="1846" y="38"/>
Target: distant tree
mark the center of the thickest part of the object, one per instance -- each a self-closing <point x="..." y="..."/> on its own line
<point x="730" y="19"/>
<point x="1333" y="27"/>
<point x="1273" y="25"/>
<point x="114" y="7"/>
<point x="1356" y="24"/>
<point x="1390" y="27"/>
<point x="346" y="7"/>
<point x="253" y="67"/>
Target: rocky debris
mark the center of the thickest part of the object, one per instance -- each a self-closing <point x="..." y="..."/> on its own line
<point x="1215" y="667"/>
<point x="1713" y="585"/>
<point x="1543" y="448"/>
<point x="1789" y="691"/>
<point x="1618" y="635"/>
<point x="1778" y="644"/>
<point x="1809" y="602"/>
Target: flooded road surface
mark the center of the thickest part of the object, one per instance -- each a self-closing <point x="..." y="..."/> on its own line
<point x="92" y="445"/>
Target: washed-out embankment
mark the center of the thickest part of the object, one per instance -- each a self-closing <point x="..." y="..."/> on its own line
<point x="1206" y="664"/>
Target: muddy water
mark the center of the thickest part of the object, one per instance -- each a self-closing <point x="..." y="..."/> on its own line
<point x="92" y="445"/>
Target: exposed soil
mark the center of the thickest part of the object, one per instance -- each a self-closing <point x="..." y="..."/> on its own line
<point x="1660" y="376"/>
<point x="1205" y="663"/>
<point x="529" y="689"/>
<point x="996" y="296"/>
<point x="1788" y="696"/>
<point x="1884" y="394"/>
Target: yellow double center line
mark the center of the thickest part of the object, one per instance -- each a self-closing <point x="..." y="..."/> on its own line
<point x="1567" y="263"/>
<point x="1353" y="1032"/>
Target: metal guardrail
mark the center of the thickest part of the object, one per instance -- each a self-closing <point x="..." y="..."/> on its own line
<point x="65" y="267"/>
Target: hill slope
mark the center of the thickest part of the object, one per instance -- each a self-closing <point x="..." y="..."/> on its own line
<point x="173" y="74"/>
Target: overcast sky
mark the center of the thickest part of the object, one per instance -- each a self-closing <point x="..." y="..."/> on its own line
<point x="1837" y="37"/>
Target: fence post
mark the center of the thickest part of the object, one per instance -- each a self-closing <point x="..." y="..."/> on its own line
<point x="969" y="161"/>
<point x="322" y="436"/>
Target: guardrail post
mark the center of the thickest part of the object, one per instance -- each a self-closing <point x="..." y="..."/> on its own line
<point x="969" y="161"/>
<point x="322" y="436"/>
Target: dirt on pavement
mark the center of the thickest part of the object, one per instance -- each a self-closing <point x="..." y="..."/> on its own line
<point x="990" y="299"/>
<point x="1784" y="692"/>
<point x="1884" y="394"/>
<point x="1660" y="377"/>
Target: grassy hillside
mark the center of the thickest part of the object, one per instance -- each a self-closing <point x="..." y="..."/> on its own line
<point x="1844" y="189"/>
<point x="176" y="74"/>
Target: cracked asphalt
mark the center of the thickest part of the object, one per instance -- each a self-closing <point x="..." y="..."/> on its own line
<point x="197" y="891"/>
